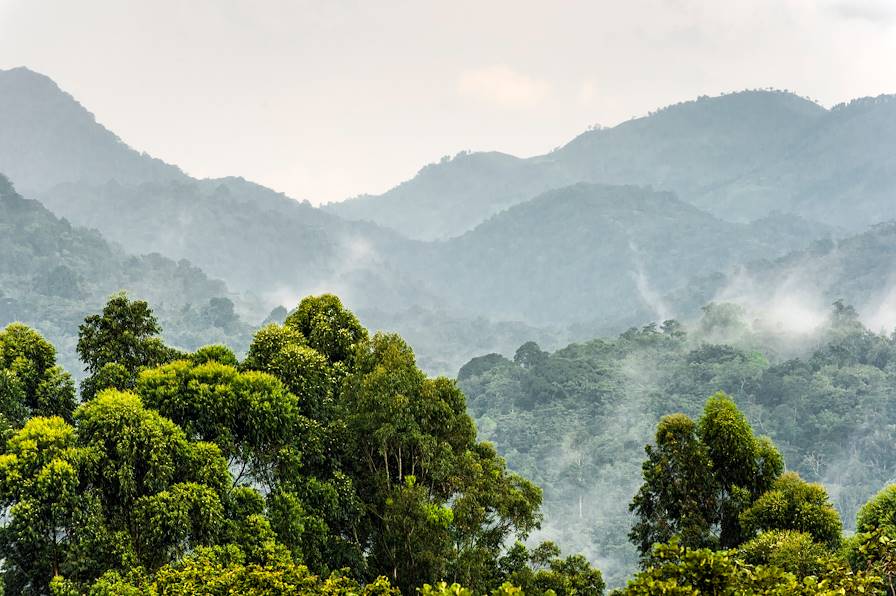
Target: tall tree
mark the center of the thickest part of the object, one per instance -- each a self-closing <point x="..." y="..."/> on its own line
<point x="117" y="343"/>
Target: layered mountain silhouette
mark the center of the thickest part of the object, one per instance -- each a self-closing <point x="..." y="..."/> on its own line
<point x="606" y="230"/>
<point x="739" y="156"/>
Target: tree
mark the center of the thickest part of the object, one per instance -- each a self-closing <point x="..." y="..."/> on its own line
<point x="40" y="489"/>
<point x="159" y="494"/>
<point x="679" y="497"/>
<point x="529" y="355"/>
<point x="793" y="504"/>
<point x="544" y="571"/>
<point x="126" y="334"/>
<point x="249" y="415"/>
<point x="681" y="571"/>
<point x="283" y="352"/>
<point x="700" y="477"/>
<point x="31" y="383"/>
<point x="419" y="471"/>
<point x="793" y="551"/>
<point x="743" y="465"/>
<point x="329" y="328"/>
<point x="228" y="570"/>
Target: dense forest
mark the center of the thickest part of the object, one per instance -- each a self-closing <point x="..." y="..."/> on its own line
<point x="575" y="420"/>
<point x="326" y="462"/>
<point x="659" y="359"/>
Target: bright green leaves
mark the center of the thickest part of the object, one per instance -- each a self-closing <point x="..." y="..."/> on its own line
<point x="31" y="384"/>
<point x="363" y="462"/>
<point x="329" y="328"/>
<point x="794" y="504"/>
<point x="680" y="571"/>
<point x="698" y="478"/>
<point x="250" y="415"/>
<point x="792" y="551"/>
<point x="39" y="483"/>
<point x="543" y="571"/>
<point x="125" y="334"/>
<point x="282" y="352"/>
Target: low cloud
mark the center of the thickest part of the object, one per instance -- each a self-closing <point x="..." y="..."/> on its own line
<point x="878" y="12"/>
<point x="502" y="86"/>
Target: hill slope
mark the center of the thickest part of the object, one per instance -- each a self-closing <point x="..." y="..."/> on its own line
<point x="691" y="148"/>
<point x="796" y="290"/>
<point x="597" y="253"/>
<point x="52" y="274"/>
<point x="49" y="138"/>
<point x="739" y="156"/>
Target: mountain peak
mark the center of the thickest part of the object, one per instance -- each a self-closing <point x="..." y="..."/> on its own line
<point x="49" y="138"/>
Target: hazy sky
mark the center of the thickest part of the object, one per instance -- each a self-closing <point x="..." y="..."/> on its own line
<point x="328" y="99"/>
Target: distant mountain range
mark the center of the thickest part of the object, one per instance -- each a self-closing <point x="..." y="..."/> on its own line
<point x="482" y="251"/>
<point x="738" y="156"/>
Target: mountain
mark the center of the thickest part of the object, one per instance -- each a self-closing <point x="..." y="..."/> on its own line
<point x="598" y="253"/>
<point x="256" y="239"/>
<point x="795" y="291"/>
<point x="691" y="148"/>
<point x="841" y="171"/>
<point x="739" y="156"/>
<point x="541" y="254"/>
<point x="49" y="138"/>
<point x="253" y="238"/>
<point x="454" y="195"/>
<point x="52" y="274"/>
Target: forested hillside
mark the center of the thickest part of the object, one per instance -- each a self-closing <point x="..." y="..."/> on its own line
<point x="325" y="462"/>
<point x="739" y="156"/>
<point x="572" y="261"/>
<point x="602" y="254"/>
<point x="52" y="274"/>
<point x="575" y="420"/>
<point x="795" y="290"/>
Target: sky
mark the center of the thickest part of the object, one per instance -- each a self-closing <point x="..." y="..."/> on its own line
<point x="330" y="99"/>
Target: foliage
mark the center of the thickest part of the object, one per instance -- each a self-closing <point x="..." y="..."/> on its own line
<point x="680" y="571"/>
<point x="793" y="504"/>
<point x="31" y="383"/>
<point x="577" y="422"/>
<point x="793" y="551"/>
<point x="700" y="477"/>
<point x="543" y="571"/>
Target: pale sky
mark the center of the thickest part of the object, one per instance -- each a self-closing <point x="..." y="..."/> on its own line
<point x="328" y="99"/>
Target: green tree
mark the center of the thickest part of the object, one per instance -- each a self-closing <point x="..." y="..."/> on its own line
<point x="743" y="465"/>
<point x="680" y="571"/>
<point x="126" y="334"/>
<point x="794" y="504"/>
<point x="249" y="415"/>
<point x="159" y="493"/>
<point x="417" y="467"/>
<point x="31" y="383"/>
<point x="329" y="327"/>
<point x="543" y="571"/>
<point x="679" y="497"/>
<point x="41" y="492"/>
<point x="793" y="551"/>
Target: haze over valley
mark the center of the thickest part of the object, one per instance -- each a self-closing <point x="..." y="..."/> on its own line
<point x="659" y="358"/>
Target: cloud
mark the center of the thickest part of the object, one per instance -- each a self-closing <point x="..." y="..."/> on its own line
<point x="502" y="86"/>
<point x="878" y="12"/>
